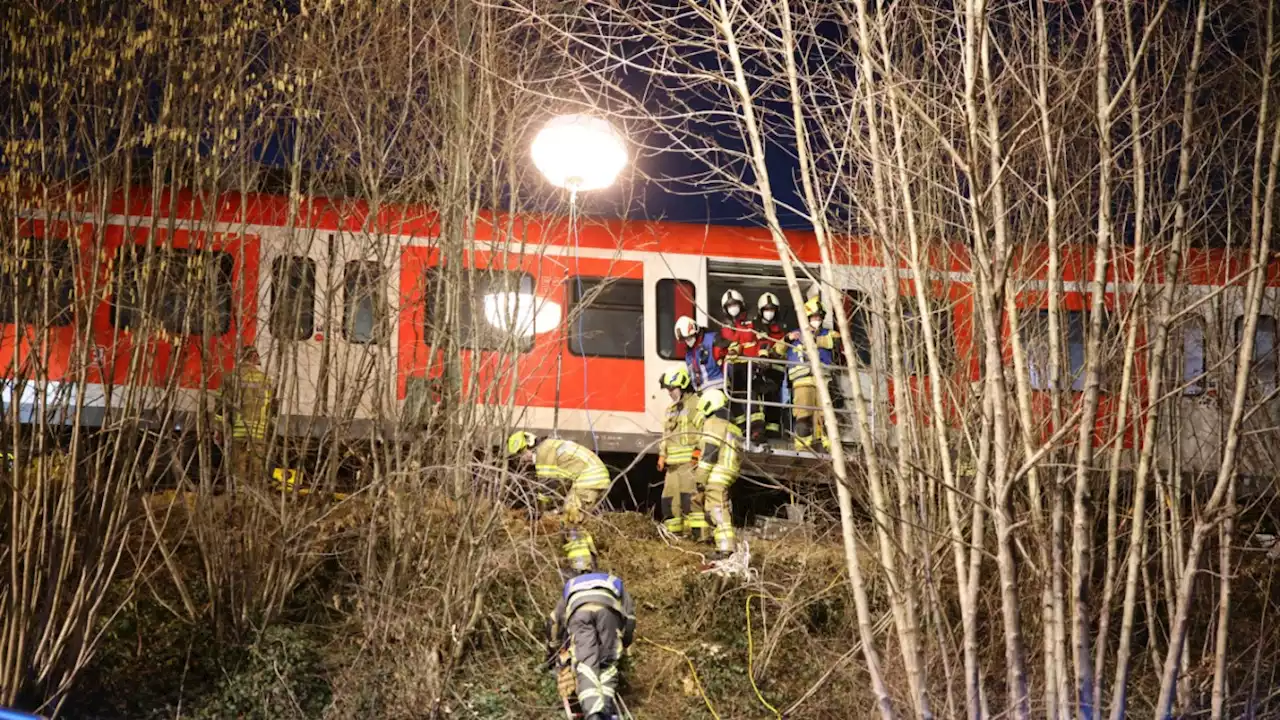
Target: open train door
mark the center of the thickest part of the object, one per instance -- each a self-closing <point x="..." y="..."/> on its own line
<point x="674" y="286"/>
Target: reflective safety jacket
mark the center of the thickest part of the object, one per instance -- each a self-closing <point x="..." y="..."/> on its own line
<point x="798" y="362"/>
<point x="704" y="361"/>
<point x="246" y="396"/>
<point x="565" y="460"/>
<point x="598" y="589"/>
<point x="680" y="431"/>
<point x="721" y="452"/>
<point x="741" y="331"/>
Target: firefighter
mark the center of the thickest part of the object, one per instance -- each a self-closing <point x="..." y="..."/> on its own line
<point x="246" y="404"/>
<point x="595" y="621"/>
<point x="720" y="457"/>
<point x="804" y="391"/>
<point x="770" y="331"/>
<point x="675" y="456"/>
<point x="739" y="337"/>
<point x="704" y="354"/>
<point x="565" y="461"/>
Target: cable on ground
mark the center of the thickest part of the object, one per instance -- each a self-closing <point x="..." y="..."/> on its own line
<point x="696" y="681"/>
<point x="751" y="675"/>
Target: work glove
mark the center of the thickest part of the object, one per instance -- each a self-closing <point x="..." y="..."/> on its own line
<point x="566" y="683"/>
<point x="662" y="464"/>
<point x="734" y="350"/>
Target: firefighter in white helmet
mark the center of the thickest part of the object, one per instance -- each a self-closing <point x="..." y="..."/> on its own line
<point x="739" y="336"/>
<point x="704" y="353"/>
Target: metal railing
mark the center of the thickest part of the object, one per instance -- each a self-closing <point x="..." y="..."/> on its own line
<point x="831" y="373"/>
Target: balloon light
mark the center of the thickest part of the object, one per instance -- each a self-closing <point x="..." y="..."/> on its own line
<point x="521" y="314"/>
<point x="579" y="153"/>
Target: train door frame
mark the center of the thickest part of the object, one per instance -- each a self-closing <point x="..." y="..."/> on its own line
<point x="372" y="359"/>
<point x="659" y="267"/>
<point x="294" y="363"/>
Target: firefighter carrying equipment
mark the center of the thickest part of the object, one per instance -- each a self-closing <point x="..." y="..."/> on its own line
<point x="718" y="465"/>
<point x="676" y="456"/>
<point x="568" y="463"/>
<point x="596" y="618"/>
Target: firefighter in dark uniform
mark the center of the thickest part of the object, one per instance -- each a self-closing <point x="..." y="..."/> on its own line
<point x="595" y="620"/>
<point x="740" y="341"/>
<point x="770" y="332"/>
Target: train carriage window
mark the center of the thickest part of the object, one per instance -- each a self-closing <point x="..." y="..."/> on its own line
<point x="914" y="356"/>
<point x="1193" y="364"/>
<point x="1265" y="363"/>
<point x="37" y="282"/>
<point x="858" y="310"/>
<point x="1034" y="327"/>
<point x="606" y="317"/>
<point x="493" y="309"/>
<point x="293" y="298"/>
<point x="185" y="291"/>
<point x="675" y="298"/>
<point x="364" y="303"/>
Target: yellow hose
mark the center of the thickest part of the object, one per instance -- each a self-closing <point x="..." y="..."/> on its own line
<point x="750" y="654"/>
<point x="692" y="669"/>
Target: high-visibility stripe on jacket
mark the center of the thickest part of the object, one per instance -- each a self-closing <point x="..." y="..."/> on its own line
<point x="595" y="588"/>
<point x="721" y="449"/>
<point x="798" y="362"/>
<point x="249" y="399"/>
<point x="556" y="459"/>
<point x="680" y="431"/>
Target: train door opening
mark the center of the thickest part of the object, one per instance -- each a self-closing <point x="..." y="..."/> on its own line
<point x="295" y="273"/>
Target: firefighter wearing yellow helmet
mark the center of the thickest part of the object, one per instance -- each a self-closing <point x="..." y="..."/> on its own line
<point x="676" y="455"/>
<point x="804" y="391"/>
<point x="565" y="462"/>
<point x="720" y="459"/>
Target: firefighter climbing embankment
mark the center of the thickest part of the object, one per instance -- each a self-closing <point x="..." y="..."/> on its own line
<point x="566" y="462"/>
<point x="677" y="457"/>
<point x="591" y="626"/>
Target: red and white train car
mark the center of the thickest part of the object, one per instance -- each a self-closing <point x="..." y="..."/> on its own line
<point x="342" y="293"/>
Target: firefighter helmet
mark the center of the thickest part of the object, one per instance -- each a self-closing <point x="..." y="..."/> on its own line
<point x="814" y="307"/>
<point x="713" y="401"/>
<point x="675" y="379"/>
<point x="731" y="297"/>
<point x="686" y="327"/>
<point x="519" y="442"/>
<point x="767" y="300"/>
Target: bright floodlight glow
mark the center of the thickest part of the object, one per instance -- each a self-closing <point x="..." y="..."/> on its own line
<point x="521" y="314"/>
<point x="579" y="152"/>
